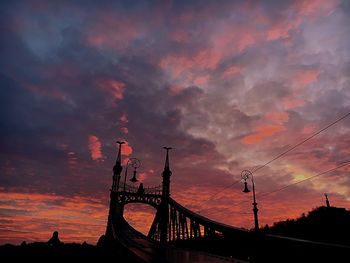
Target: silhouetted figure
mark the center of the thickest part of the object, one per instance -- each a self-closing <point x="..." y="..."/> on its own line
<point x="327" y="201"/>
<point x="140" y="190"/>
<point x="54" y="240"/>
<point x="101" y="241"/>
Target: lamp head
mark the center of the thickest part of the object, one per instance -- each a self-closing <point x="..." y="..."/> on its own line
<point x="245" y="190"/>
<point x="134" y="179"/>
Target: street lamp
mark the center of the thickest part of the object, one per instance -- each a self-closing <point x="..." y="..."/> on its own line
<point x="135" y="163"/>
<point x="245" y="175"/>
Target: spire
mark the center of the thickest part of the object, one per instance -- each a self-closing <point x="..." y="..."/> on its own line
<point x="327" y="201"/>
<point x="117" y="168"/>
<point x="164" y="205"/>
<point x="166" y="165"/>
<point x="119" y="157"/>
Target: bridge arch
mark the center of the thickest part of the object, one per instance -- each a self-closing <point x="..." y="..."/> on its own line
<point x="139" y="216"/>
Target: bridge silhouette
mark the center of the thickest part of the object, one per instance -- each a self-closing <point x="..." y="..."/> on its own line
<point x="178" y="234"/>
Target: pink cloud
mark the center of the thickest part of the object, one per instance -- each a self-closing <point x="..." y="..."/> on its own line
<point x="232" y="71"/>
<point x="124" y="130"/>
<point x="291" y="102"/>
<point x="94" y="145"/>
<point x="175" y="89"/>
<point x="317" y="7"/>
<point x="124" y="118"/>
<point x="118" y="89"/>
<point x="114" y="88"/>
<point x="201" y="80"/>
<point x="308" y="129"/>
<point x="206" y="59"/>
<point x="300" y="80"/>
<point x="304" y="9"/>
<point x="282" y="29"/>
<point x="305" y="78"/>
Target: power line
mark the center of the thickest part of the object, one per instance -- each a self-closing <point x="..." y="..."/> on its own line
<point x="300" y="143"/>
<point x="279" y="156"/>
<point x="306" y="179"/>
<point x="224" y="211"/>
<point x="218" y="192"/>
<point x="279" y="189"/>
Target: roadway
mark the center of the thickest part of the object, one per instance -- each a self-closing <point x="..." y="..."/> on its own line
<point x="150" y="251"/>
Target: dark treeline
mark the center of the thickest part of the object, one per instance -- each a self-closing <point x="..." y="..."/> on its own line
<point x="322" y="224"/>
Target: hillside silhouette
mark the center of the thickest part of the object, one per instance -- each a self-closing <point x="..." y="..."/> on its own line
<point x="322" y="224"/>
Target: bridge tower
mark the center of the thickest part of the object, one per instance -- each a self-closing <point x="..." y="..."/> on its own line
<point x="114" y="205"/>
<point x="164" y="205"/>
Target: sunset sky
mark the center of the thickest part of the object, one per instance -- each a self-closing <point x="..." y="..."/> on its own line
<point x="228" y="84"/>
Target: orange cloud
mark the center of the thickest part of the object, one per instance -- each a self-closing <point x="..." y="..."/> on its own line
<point x="94" y="145"/>
<point x="262" y="133"/>
<point x="142" y="176"/>
<point x="304" y="78"/>
<point x="33" y="217"/>
<point x="139" y="216"/>
<point x="126" y="149"/>
<point x="279" y="117"/>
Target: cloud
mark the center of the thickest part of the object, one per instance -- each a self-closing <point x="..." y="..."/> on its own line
<point x="115" y="88"/>
<point x="94" y="145"/>
<point x="262" y="133"/>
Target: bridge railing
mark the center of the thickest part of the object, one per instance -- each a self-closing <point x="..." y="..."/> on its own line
<point x="204" y="221"/>
<point x="146" y="190"/>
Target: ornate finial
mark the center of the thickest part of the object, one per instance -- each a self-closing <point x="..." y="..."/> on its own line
<point x="119" y="157"/>
<point x="166" y="165"/>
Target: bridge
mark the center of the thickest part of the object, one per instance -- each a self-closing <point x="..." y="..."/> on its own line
<point x="178" y="234"/>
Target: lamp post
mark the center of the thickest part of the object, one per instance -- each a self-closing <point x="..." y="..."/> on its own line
<point x="245" y="175"/>
<point x="135" y="163"/>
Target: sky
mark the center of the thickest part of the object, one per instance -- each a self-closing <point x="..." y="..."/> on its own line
<point x="228" y="84"/>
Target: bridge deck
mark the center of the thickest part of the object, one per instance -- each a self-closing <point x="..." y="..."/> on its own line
<point x="149" y="251"/>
